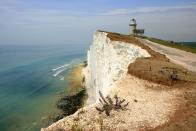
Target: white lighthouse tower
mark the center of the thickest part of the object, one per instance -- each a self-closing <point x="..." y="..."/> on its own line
<point x="132" y="27"/>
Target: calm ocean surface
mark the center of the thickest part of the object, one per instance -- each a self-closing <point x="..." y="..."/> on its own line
<point x="31" y="80"/>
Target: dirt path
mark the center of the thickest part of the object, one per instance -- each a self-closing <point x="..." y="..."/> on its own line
<point x="186" y="59"/>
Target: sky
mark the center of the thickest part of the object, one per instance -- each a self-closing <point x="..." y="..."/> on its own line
<point x="74" y="21"/>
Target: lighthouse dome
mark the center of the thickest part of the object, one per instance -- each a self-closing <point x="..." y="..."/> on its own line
<point x="133" y="22"/>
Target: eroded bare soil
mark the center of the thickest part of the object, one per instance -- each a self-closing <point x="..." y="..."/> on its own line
<point x="160" y="70"/>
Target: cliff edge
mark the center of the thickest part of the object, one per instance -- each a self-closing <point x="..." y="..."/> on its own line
<point x="161" y="93"/>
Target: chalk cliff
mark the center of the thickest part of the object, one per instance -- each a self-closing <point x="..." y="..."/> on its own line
<point x="107" y="62"/>
<point x="161" y="94"/>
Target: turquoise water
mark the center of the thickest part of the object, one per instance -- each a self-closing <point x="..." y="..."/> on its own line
<point x="31" y="81"/>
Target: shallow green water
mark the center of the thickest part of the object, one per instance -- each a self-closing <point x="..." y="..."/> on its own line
<point x="31" y="81"/>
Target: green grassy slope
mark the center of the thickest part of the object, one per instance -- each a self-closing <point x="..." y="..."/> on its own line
<point x="173" y="44"/>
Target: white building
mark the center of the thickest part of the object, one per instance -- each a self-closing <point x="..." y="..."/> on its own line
<point x="133" y="28"/>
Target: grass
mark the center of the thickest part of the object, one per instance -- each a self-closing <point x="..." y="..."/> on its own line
<point x="128" y="39"/>
<point x="173" y="44"/>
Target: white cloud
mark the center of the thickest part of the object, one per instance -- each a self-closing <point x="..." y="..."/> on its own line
<point x="27" y="25"/>
<point x="117" y="12"/>
<point x="121" y="11"/>
<point x="6" y="5"/>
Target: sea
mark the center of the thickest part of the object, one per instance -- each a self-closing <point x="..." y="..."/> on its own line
<point x="32" y="79"/>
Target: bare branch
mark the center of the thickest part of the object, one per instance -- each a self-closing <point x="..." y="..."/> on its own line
<point x="101" y="95"/>
<point x="109" y="100"/>
<point x="100" y="110"/>
<point x="108" y="105"/>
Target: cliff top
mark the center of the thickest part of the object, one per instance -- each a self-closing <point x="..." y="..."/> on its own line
<point x="158" y="67"/>
<point x="161" y="93"/>
<point x="129" y="39"/>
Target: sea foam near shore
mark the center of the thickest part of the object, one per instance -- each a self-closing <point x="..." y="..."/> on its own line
<point x="58" y="71"/>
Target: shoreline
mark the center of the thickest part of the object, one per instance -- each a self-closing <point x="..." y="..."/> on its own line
<point x="76" y="79"/>
<point x="76" y="95"/>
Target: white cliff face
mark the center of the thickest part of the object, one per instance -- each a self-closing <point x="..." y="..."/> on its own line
<point x="107" y="62"/>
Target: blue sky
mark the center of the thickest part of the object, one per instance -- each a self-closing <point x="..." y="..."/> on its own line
<point x="74" y="21"/>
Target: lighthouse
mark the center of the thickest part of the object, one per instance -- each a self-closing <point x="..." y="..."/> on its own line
<point x="132" y="27"/>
